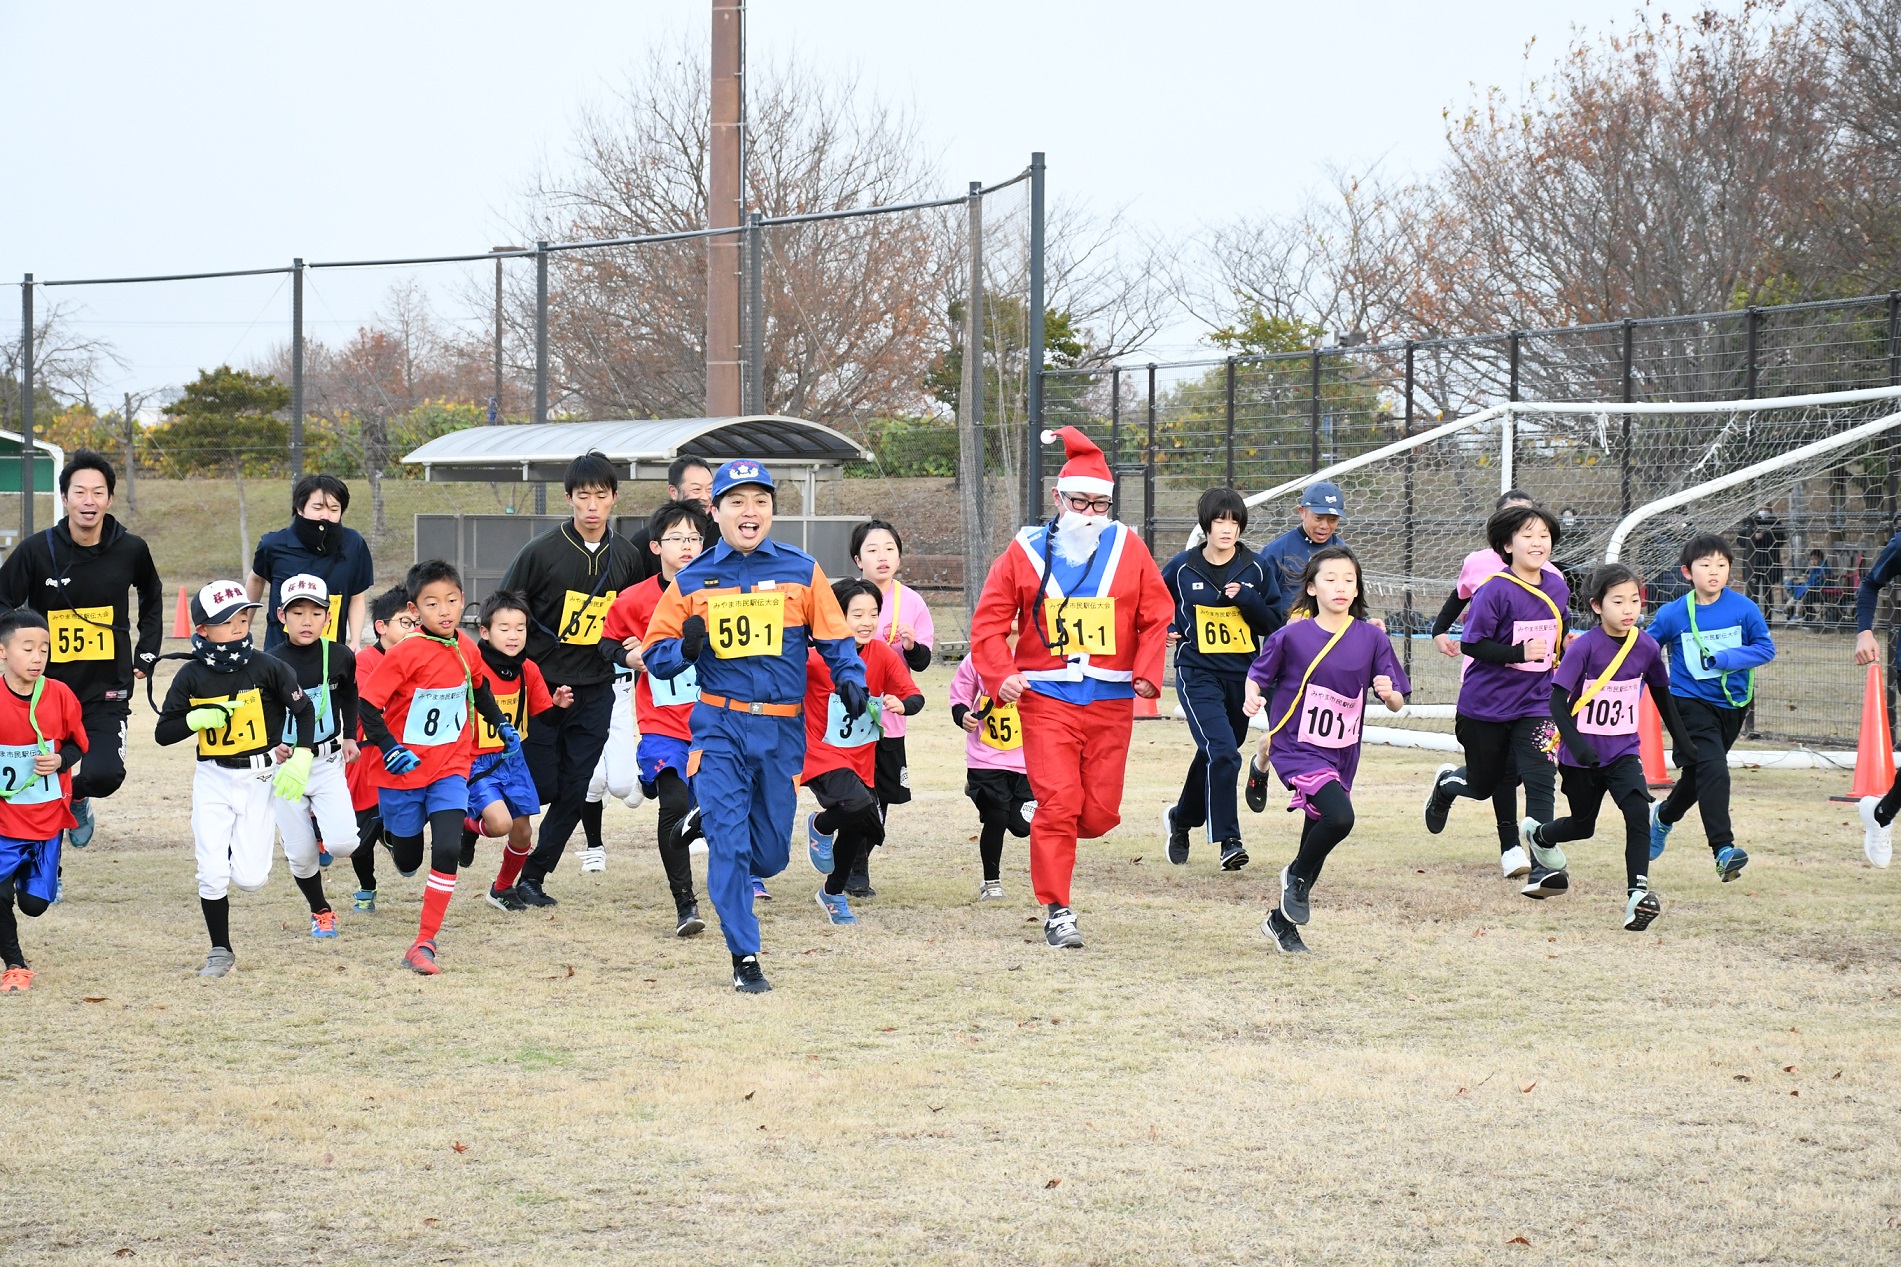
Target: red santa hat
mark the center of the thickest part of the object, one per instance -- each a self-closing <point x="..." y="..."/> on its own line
<point x="1086" y="471"/>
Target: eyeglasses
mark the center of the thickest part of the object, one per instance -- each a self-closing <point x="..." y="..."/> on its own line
<point x="693" y="540"/>
<point x="1100" y="505"/>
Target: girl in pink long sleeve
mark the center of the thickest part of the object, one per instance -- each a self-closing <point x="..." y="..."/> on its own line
<point x="994" y="781"/>
<point x="904" y="622"/>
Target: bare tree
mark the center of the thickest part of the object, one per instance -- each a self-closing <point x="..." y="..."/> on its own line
<point x="65" y="363"/>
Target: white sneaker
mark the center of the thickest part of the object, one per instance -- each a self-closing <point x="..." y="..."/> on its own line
<point x="1876" y="841"/>
<point x="593" y="860"/>
<point x="1515" y="862"/>
<point x="992" y="891"/>
<point x="634" y="799"/>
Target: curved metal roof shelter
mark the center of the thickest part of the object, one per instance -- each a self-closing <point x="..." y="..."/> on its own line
<point x="540" y="453"/>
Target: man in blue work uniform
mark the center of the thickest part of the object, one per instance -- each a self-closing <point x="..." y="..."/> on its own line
<point x="746" y="615"/>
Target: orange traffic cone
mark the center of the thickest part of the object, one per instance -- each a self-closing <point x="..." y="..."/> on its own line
<point x="1650" y="741"/>
<point x="181" y="623"/>
<point x="1147" y="710"/>
<point x="1874" y="752"/>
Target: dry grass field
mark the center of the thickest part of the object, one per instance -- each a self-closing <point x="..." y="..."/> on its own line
<point x="1455" y="1075"/>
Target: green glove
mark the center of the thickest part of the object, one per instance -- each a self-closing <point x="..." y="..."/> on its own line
<point x="294" y="774"/>
<point x="209" y="716"/>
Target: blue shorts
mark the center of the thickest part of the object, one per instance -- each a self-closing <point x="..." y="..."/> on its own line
<point x="406" y="810"/>
<point x="32" y="865"/>
<point x="504" y="777"/>
<point x="657" y="753"/>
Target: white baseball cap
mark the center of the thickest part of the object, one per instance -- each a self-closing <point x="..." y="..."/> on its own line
<point x="219" y="602"/>
<point x="303" y="585"/>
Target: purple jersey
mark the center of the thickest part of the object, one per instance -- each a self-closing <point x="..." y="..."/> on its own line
<point x="1504" y="611"/>
<point x="1609" y="721"/>
<point x="1322" y="735"/>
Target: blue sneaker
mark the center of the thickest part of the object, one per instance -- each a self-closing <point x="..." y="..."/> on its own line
<point x="1659" y="832"/>
<point x="1730" y="862"/>
<point x="79" y="835"/>
<point x="364" y="902"/>
<point x="759" y="890"/>
<point x="837" y="908"/>
<point x="323" y="856"/>
<point x="818" y="847"/>
<point x="323" y="924"/>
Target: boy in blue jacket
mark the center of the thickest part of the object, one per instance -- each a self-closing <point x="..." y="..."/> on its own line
<point x="1223" y="598"/>
<point x="1716" y="639"/>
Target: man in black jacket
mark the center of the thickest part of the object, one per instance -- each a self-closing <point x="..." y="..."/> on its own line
<point x="570" y="577"/>
<point x="78" y="574"/>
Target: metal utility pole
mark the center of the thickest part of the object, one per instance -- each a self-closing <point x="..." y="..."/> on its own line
<point x="26" y="408"/>
<point x="755" y="316"/>
<point x="296" y="369"/>
<point x="131" y="457"/>
<point x="500" y="406"/>
<point x="970" y="431"/>
<point x="724" y="210"/>
<point x="1033" y="457"/>
<point x="541" y="357"/>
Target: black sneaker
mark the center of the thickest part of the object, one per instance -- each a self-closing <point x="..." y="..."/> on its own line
<point x="1060" y="931"/>
<point x="1439" y="800"/>
<point x="858" y="883"/>
<point x="506" y="900"/>
<point x="1177" y="838"/>
<point x="1544" y="882"/>
<point x="747" y="979"/>
<point x="1234" y="855"/>
<point x="1283" y="934"/>
<point x="689" y="829"/>
<point x="529" y="891"/>
<point x="1641" y="909"/>
<point x="468" y="849"/>
<point x="1294" y="892"/>
<point x="690" y="922"/>
<point x="1256" y="792"/>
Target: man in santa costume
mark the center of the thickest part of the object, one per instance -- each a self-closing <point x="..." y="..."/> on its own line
<point x="1093" y="615"/>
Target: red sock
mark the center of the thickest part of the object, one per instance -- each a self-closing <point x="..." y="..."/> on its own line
<point x="435" y="903"/>
<point x="511" y="868"/>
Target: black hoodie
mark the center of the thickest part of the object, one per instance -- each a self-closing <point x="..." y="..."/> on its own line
<point x="569" y="589"/>
<point x="92" y="650"/>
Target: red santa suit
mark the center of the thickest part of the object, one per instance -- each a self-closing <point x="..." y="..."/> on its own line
<point x="1090" y="628"/>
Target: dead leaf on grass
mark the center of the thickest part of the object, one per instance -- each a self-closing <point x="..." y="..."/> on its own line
<point x="935" y="1108"/>
<point x="1478" y="932"/>
<point x="1052" y="1183"/>
<point x="1836" y="1076"/>
<point x="432" y="1222"/>
<point x="1788" y="1069"/>
<point x="125" y="1251"/>
<point x="1742" y="1077"/>
<point x="1519" y="1240"/>
<point x="460" y="1147"/>
<point x="1461" y="1091"/>
<point x="93" y="998"/>
<point x="887" y="1029"/>
<point x="1412" y="998"/>
<point x="1795" y="1093"/>
<point x="1527" y="1087"/>
<point x="751" y="1094"/>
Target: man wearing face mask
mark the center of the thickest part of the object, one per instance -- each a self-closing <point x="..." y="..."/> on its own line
<point x="317" y="544"/>
<point x="1094" y="613"/>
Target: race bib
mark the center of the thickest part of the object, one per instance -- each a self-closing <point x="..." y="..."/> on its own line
<point x="1525" y="631"/>
<point x="741" y="625"/>
<point x="243" y="730"/>
<point x="1001" y="728"/>
<point x="1716" y="640"/>
<point x="437" y="715"/>
<point x="487" y="737"/>
<point x="319" y="697"/>
<point x="1329" y="719"/>
<point x="77" y="634"/>
<point x="1086" y="625"/>
<point x="850" y="732"/>
<point x="336" y="617"/>
<point x="16" y="771"/>
<point x="1222" y="629"/>
<point x="1613" y="710"/>
<point x="582" y="617"/>
<point x="683" y="688"/>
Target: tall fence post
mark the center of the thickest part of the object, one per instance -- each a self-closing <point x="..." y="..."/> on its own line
<point x="541" y="357"/>
<point x="756" y="319"/>
<point x="1411" y="524"/>
<point x="1511" y="394"/>
<point x="1630" y="389"/>
<point x="1230" y="422"/>
<point x="1148" y="471"/>
<point x="970" y="440"/>
<point x="1894" y="378"/>
<point x="1313" y="420"/>
<point x="499" y="413"/>
<point x="296" y="369"/>
<point x="1752" y="322"/>
<point x="1033" y="457"/>
<point x="1115" y="438"/>
<point x="26" y="409"/>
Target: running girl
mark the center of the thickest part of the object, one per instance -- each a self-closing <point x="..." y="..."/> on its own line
<point x="1335" y="656"/>
<point x="904" y="624"/>
<point x="994" y="779"/>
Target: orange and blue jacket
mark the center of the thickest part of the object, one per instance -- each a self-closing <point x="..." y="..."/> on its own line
<point x="774" y="671"/>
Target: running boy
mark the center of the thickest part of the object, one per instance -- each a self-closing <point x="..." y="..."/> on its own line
<point x="391" y="623"/>
<point x="326" y="672"/>
<point x="904" y="622"/>
<point x="42" y="736"/>
<point x="425" y="692"/>
<point x="742" y="616"/>
<point x="840" y="751"/>
<point x="1222" y="611"/>
<point x="1594" y="703"/>
<point x="675" y="534"/>
<point x="235" y="702"/>
<point x="1717" y="639"/>
<point x="1335" y="656"/>
<point x="994" y="779"/>
<point x="502" y="800"/>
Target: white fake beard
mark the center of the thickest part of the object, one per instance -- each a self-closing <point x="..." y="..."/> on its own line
<point x="1077" y="534"/>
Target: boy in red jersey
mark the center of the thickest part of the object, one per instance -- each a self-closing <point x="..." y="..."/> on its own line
<point x="41" y="740"/>
<point x="502" y="798"/>
<point x="390" y="616"/>
<point x="663" y="710"/>
<point x="418" y="710"/>
<point x="841" y="751"/>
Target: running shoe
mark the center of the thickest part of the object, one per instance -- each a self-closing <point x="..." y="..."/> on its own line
<point x="1060" y="931"/>
<point x="421" y="959"/>
<point x="323" y="924"/>
<point x="467" y="857"/>
<point x="858" y="883"/>
<point x="505" y="900"/>
<point x="593" y="860"/>
<point x="1294" y="892"/>
<point x="759" y="890"/>
<point x="79" y="835"/>
<point x="1545" y="882"/>
<point x="218" y="962"/>
<point x="1877" y="838"/>
<point x="991" y="891"/>
<point x="1234" y="854"/>
<point x="1549" y="857"/>
<point x="747" y="979"/>
<point x="1176" y="840"/>
<point x="837" y="907"/>
<point x="818" y="846"/>
<point x="1439" y="799"/>
<point x="690" y="924"/>
<point x="1515" y="862"/>
<point x="16" y="980"/>
<point x="1659" y="831"/>
<point x="1256" y="791"/>
<point x="1283" y="933"/>
<point x="689" y="829"/>
<point x="1730" y="862"/>
<point x="531" y="893"/>
<point x="364" y="903"/>
<point x="1641" y="910"/>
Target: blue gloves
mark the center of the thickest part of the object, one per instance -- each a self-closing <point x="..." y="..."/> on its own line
<point x="400" y="760"/>
<point x="852" y="696"/>
<point x="511" y="738"/>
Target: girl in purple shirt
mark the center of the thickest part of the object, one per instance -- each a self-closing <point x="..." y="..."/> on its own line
<point x="1594" y="703"/>
<point x="1325" y="659"/>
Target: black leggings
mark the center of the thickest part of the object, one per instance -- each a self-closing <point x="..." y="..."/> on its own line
<point x="675" y="798"/>
<point x="369" y="830"/>
<point x="1505" y="808"/>
<point x="1320" y="835"/>
<point x="445" y="845"/>
<point x="1493" y="750"/>
<point x="1584" y="790"/>
<point x="859" y="829"/>
<point x="10" y="927"/>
